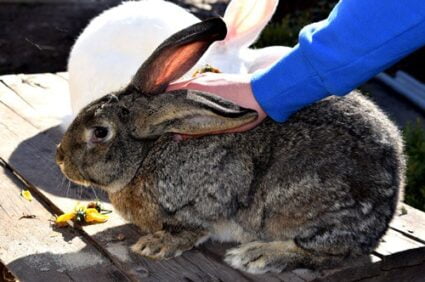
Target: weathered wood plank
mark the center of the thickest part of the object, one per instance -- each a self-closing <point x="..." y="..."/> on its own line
<point x="414" y="273"/>
<point x="393" y="242"/>
<point x="63" y="75"/>
<point x="399" y="251"/>
<point x="378" y="272"/>
<point x="352" y="271"/>
<point x="193" y="265"/>
<point x="34" y="251"/>
<point x="410" y="222"/>
<point x="46" y="94"/>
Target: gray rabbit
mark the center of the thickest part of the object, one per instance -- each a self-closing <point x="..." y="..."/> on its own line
<point x="311" y="192"/>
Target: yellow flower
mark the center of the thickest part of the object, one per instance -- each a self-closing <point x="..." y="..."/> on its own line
<point x="206" y="68"/>
<point x="92" y="215"/>
<point x="97" y="205"/>
<point x="63" y="219"/>
<point x="82" y="214"/>
<point x="27" y="195"/>
<point x="79" y="207"/>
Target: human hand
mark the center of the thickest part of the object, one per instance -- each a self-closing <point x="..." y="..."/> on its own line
<point x="232" y="87"/>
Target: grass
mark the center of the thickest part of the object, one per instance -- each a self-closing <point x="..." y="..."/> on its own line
<point x="285" y="31"/>
<point x="414" y="136"/>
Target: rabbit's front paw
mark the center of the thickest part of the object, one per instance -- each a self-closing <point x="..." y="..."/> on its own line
<point x="260" y="257"/>
<point x="164" y="245"/>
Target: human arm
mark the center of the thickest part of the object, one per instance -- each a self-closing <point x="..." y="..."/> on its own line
<point x="359" y="39"/>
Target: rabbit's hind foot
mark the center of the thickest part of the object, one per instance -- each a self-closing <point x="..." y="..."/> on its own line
<point x="163" y="244"/>
<point x="260" y="257"/>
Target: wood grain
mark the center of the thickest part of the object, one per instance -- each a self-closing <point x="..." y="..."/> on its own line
<point x="34" y="251"/>
<point x="410" y="222"/>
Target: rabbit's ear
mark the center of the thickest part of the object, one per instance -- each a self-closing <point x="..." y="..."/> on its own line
<point x="245" y="19"/>
<point x="177" y="55"/>
<point x="190" y="112"/>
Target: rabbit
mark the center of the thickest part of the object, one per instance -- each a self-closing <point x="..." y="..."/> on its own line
<point x="315" y="191"/>
<point x="110" y="49"/>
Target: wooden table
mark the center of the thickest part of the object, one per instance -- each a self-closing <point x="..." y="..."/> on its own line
<point x="31" y="109"/>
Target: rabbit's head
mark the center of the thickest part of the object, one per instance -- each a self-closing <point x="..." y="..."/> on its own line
<point x="107" y="142"/>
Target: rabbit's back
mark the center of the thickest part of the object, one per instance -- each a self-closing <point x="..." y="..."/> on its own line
<point x="337" y="163"/>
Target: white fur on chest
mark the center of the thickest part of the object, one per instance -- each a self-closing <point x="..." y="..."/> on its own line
<point x="227" y="231"/>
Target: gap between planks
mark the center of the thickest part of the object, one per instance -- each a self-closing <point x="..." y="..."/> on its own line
<point x="34" y="250"/>
<point x="55" y="210"/>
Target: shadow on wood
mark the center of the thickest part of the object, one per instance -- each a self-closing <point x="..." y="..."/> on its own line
<point x="42" y="171"/>
<point x="81" y="264"/>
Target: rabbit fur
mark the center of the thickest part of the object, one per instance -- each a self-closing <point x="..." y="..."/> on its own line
<point x="313" y="192"/>
<point x="109" y="51"/>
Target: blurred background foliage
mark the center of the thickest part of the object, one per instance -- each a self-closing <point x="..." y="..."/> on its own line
<point x="414" y="136"/>
<point x="291" y="17"/>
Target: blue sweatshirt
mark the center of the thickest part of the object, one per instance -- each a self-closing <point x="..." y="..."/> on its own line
<point x="359" y="39"/>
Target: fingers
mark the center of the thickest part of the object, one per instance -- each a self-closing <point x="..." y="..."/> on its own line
<point x="231" y="87"/>
<point x="180" y="84"/>
<point x="234" y="88"/>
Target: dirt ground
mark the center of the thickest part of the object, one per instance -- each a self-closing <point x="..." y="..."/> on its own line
<point x="37" y="37"/>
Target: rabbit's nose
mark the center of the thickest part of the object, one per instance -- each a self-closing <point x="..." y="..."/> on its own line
<point x="60" y="156"/>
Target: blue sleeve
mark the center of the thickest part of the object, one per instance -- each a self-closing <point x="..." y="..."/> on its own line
<point x="359" y="39"/>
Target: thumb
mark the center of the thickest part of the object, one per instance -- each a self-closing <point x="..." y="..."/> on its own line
<point x="183" y="84"/>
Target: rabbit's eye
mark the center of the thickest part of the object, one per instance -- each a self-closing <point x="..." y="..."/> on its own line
<point x="100" y="134"/>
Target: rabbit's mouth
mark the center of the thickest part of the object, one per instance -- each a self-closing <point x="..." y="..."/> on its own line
<point x="73" y="175"/>
<point x="70" y="171"/>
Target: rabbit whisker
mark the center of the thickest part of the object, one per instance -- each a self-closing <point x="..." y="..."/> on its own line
<point x="69" y="186"/>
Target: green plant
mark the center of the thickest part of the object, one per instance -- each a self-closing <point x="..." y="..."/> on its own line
<point x="285" y="31"/>
<point x="414" y="136"/>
